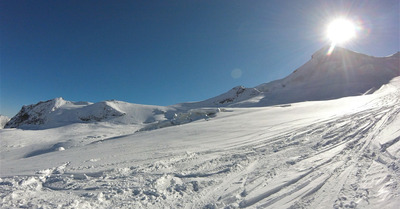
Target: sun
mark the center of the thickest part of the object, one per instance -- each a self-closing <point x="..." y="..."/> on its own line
<point x="340" y="31"/>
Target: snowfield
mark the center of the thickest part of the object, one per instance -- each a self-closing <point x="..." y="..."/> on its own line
<point x="340" y="153"/>
<point x="337" y="153"/>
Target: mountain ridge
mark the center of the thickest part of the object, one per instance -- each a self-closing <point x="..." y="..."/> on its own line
<point x="340" y="74"/>
<point x="325" y="76"/>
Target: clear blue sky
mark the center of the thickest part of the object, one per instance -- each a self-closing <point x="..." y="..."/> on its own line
<point x="168" y="52"/>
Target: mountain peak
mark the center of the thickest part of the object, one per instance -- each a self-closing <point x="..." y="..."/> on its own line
<point x="59" y="112"/>
<point x="337" y="52"/>
<point x="36" y="114"/>
<point x="339" y="74"/>
<point x="321" y="52"/>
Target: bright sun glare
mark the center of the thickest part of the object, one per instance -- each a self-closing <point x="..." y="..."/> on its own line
<point x="340" y="31"/>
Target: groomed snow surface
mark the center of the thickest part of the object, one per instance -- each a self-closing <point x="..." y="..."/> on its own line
<point x="341" y="153"/>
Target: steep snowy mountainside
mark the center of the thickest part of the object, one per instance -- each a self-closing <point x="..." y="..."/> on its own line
<point x="340" y="74"/>
<point x="344" y="72"/>
<point x="58" y="112"/>
<point x="3" y="121"/>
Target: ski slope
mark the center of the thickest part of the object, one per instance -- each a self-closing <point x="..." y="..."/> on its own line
<point x="341" y="153"/>
<point x="326" y="136"/>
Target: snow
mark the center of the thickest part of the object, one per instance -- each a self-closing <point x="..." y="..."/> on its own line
<point x="3" y="121"/>
<point x="337" y="153"/>
<point x="343" y="73"/>
<point x="59" y="112"/>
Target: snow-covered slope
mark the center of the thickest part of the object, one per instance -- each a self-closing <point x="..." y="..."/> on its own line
<point x="343" y="73"/>
<point x="3" y="121"/>
<point x="341" y="153"/>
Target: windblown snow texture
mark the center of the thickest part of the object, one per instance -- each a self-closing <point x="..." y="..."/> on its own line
<point x="336" y="153"/>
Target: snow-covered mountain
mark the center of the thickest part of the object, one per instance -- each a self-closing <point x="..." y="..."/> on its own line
<point x="340" y="74"/>
<point x="58" y="112"/>
<point x="3" y="121"/>
<point x="337" y="153"/>
<point x="343" y="73"/>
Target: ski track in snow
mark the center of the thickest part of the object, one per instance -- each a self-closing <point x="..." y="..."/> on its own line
<point x="341" y="161"/>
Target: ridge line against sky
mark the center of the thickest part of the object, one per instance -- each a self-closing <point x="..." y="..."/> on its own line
<point x="168" y="52"/>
